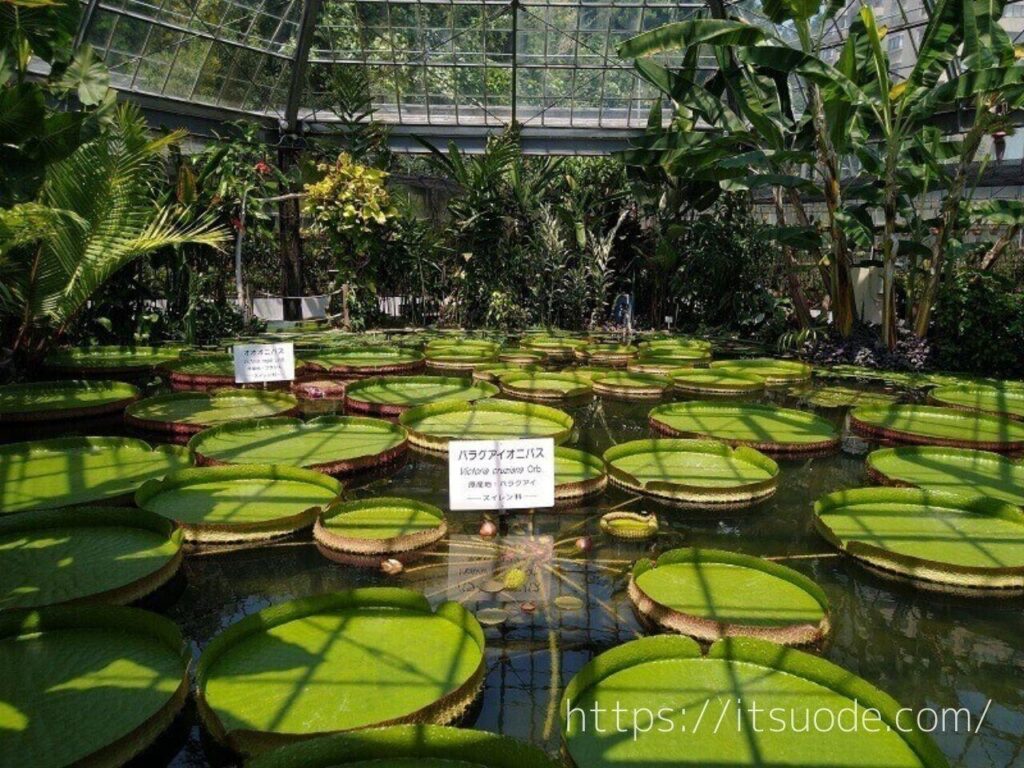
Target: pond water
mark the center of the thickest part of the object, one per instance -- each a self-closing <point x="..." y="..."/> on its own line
<point x="925" y="650"/>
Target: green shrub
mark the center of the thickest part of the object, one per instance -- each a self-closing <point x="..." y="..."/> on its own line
<point x="978" y="325"/>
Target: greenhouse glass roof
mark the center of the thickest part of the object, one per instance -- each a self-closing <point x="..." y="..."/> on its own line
<point x="551" y="65"/>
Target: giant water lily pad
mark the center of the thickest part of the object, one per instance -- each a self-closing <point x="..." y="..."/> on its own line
<point x="59" y="400"/>
<point x="931" y="425"/>
<point x="936" y="540"/>
<point x="392" y="395"/>
<point x="699" y="473"/>
<point x="521" y="356"/>
<point x="631" y="386"/>
<point x="1005" y="401"/>
<point x="848" y="397"/>
<point x="407" y="746"/>
<point x="774" y="372"/>
<point x="185" y="413"/>
<point x="670" y="345"/>
<point x="667" y="361"/>
<point x="709" y="594"/>
<point x="331" y="444"/>
<point x="491" y="372"/>
<point x="88" y="685"/>
<point x="668" y="674"/>
<point x="374" y="361"/>
<point x="432" y="426"/>
<point x="201" y="372"/>
<point x="85" y="554"/>
<point x="578" y="474"/>
<point x="555" y="348"/>
<point x="542" y="385"/>
<point x="457" y="359"/>
<point x="385" y="525"/>
<point x="955" y="470"/>
<point x="605" y="354"/>
<point x="43" y="474"/>
<point x="707" y="381"/>
<point x="765" y="427"/>
<point x="111" y="361"/>
<point x="214" y="505"/>
<point x="319" y="665"/>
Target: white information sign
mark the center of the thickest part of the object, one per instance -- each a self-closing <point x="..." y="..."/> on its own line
<point x="501" y="474"/>
<point x="255" y="363"/>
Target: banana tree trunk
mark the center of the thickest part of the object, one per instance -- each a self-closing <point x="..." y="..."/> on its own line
<point x="999" y="247"/>
<point x="889" y="253"/>
<point x="793" y="287"/>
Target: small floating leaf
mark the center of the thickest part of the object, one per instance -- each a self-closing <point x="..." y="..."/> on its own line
<point x="568" y="603"/>
<point x="492" y="617"/>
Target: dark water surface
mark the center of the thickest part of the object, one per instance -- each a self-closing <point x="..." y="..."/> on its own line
<point x="924" y="650"/>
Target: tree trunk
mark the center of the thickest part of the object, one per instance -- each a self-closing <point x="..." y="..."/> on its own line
<point x="889" y="256"/>
<point x="796" y="293"/>
<point x="999" y="247"/>
<point x="290" y="241"/>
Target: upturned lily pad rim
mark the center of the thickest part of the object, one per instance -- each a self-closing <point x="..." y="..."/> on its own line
<point x="99" y="517"/>
<point x="715" y="382"/>
<point x="675" y="342"/>
<point x="224" y="532"/>
<point x="490" y="372"/>
<point x="439" y="442"/>
<point x="768" y="445"/>
<point x="579" y="489"/>
<point x="869" y="421"/>
<point x="60" y="445"/>
<point x="678" y="489"/>
<point x="762" y="653"/>
<point x="373" y="407"/>
<point x="961" y="579"/>
<point x="521" y="356"/>
<point x="135" y="413"/>
<point x="709" y="630"/>
<point x="876" y="459"/>
<point x="121" y="621"/>
<point x="251" y="741"/>
<point x="645" y="526"/>
<point x="333" y="536"/>
<point x="518" y="383"/>
<point x="120" y="395"/>
<point x="438" y="742"/>
<point x="332" y="467"/>
<point x="946" y="396"/>
<point x="628" y="384"/>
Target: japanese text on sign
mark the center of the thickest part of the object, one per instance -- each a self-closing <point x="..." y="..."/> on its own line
<point x="501" y="474"/>
<point x="256" y="363"/>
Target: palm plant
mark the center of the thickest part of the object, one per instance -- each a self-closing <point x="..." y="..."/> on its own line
<point x="95" y="214"/>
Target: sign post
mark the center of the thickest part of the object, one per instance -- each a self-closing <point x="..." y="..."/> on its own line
<point x="258" y="363"/>
<point x="501" y="474"/>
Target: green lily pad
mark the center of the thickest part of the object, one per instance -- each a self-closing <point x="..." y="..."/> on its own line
<point x="664" y="364"/>
<point x="555" y="348"/>
<point x="87" y="554"/>
<point x="774" y="372"/>
<point x="605" y="354"/>
<point x="764" y="427"/>
<point x="407" y="746"/>
<point x="383" y="525"/>
<point x="955" y="470"/>
<point x="44" y="474"/>
<point x="578" y="474"/>
<point x="930" y="425"/>
<point x="91" y="685"/>
<point x="110" y="361"/>
<point x="431" y="426"/>
<point x="59" y="400"/>
<point x="214" y="505"/>
<point x="693" y="472"/>
<point x="629" y="525"/>
<point x="185" y="413"/>
<point x="940" y="541"/>
<point x="1005" y="401"/>
<point x="673" y="345"/>
<point x="491" y="372"/>
<point x="390" y="396"/>
<point x="847" y="397"/>
<point x="318" y="665"/>
<point x="705" y="381"/>
<point x="668" y="675"/>
<point x="631" y="386"/>
<point x="521" y="356"/>
<point x="709" y="594"/>
<point x="541" y="385"/>
<point x="450" y="358"/>
<point x="331" y="444"/>
<point x="374" y="361"/>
